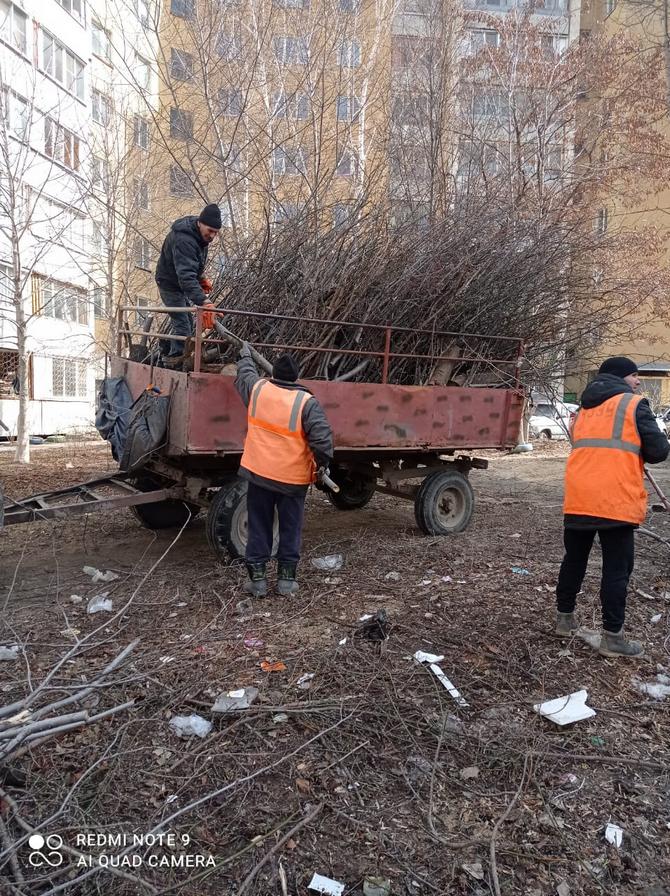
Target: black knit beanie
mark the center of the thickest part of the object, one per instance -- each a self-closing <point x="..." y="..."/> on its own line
<point x="618" y="366"/>
<point x="285" y="368"/>
<point x="211" y="216"/>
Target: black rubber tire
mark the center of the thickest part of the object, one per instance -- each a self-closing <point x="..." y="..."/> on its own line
<point x="355" y="490"/>
<point x="444" y="503"/>
<point x="227" y="522"/>
<point x="545" y="435"/>
<point x="159" y="515"/>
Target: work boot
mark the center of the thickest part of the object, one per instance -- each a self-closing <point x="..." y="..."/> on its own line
<point x="614" y="644"/>
<point x="286" y="583"/>
<point x="566" y="625"/>
<point x="257" y="583"/>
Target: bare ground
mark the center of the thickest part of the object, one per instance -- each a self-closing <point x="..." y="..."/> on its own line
<point x="362" y="774"/>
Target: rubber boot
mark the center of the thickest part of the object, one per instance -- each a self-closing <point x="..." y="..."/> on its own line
<point x="566" y="625"/>
<point x="614" y="644"/>
<point x="286" y="583"/>
<point x="257" y="583"/>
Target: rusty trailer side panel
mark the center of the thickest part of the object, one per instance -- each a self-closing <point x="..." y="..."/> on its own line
<point x="208" y="417"/>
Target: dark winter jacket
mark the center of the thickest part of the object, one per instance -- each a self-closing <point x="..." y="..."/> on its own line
<point x="655" y="445"/>
<point x="314" y="423"/>
<point x="182" y="260"/>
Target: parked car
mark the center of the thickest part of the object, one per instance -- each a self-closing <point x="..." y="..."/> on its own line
<point x="551" y="420"/>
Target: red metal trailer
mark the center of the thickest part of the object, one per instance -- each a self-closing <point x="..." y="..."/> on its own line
<point x="407" y="441"/>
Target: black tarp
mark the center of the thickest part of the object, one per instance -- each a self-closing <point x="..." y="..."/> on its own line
<point x="147" y="429"/>
<point x="113" y="413"/>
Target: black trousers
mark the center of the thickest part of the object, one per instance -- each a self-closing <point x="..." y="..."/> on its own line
<point x="261" y="504"/>
<point x="182" y="322"/>
<point x="618" y="549"/>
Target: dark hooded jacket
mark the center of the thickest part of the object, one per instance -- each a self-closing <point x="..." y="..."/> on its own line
<point x="655" y="445"/>
<point x="314" y="423"/>
<point x="182" y="260"/>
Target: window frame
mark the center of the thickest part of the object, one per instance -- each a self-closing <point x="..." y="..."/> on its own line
<point x="181" y="72"/>
<point x="10" y="40"/>
<point x="51" y="68"/>
<point x="105" y="53"/>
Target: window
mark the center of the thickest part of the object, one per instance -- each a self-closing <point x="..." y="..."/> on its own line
<point x="291" y="50"/>
<point x="289" y="160"/>
<point x="9" y="372"/>
<point x="61" y="145"/>
<point x="74" y="7"/>
<point x="410" y="109"/>
<point x="13" y="26"/>
<point x="181" y="124"/>
<point x="553" y="164"/>
<point x="229" y="46"/>
<point x="602" y="222"/>
<point x="6" y="288"/>
<point x="487" y="104"/>
<point x="143" y="12"/>
<point x="347" y="164"/>
<point x="101" y="44"/>
<point x="185" y="9"/>
<point x="141" y="304"/>
<point x="62" y="65"/>
<point x="554" y="44"/>
<point x="610" y="6"/>
<point x="231" y="102"/>
<point x="349" y="54"/>
<point x="100" y="303"/>
<point x="296" y="106"/>
<point x="142" y="253"/>
<point x="141" y="128"/>
<point x="285" y="211"/>
<point x="62" y="301"/>
<point x="483" y="38"/>
<point x="181" y="65"/>
<point x="180" y="182"/>
<point x="349" y="5"/>
<point x="143" y="71"/>
<point x="15" y="111"/>
<point x="348" y="108"/>
<point x="100" y="173"/>
<point x="69" y="378"/>
<point x="141" y="193"/>
<point x="101" y="108"/>
<point x="343" y="213"/>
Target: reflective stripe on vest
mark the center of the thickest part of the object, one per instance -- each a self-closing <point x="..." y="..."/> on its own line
<point x="275" y="446"/>
<point x="604" y="476"/>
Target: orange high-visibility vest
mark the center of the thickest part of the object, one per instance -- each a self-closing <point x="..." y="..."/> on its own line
<point x="604" y="476"/>
<point x="275" y="446"/>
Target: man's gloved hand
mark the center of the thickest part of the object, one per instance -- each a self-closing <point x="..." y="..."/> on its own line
<point x="245" y="350"/>
<point x="321" y="473"/>
<point x="206" y="285"/>
<point x="208" y="317"/>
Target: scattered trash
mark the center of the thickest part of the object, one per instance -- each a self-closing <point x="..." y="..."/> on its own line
<point x="242" y="698"/>
<point x="70" y="632"/>
<point x="588" y="635"/>
<point x="563" y="889"/>
<point x="252" y="643"/>
<point x="433" y="660"/>
<point x="376" y="886"/>
<point x="520" y="571"/>
<point x="279" y="718"/>
<point x="657" y="690"/>
<point x="330" y="561"/>
<point x="656" y="618"/>
<point x="646" y="594"/>
<point x="75" y="599"/>
<point x="393" y="576"/>
<point x="568" y="778"/>
<point x="374" y="628"/>
<point x="9" y="653"/>
<point x="100" y="603"/>
<point x="277" y="666"/>
<point x="320" y="884"/>
<point x="447" y="579"/>
<point x="472" y="771"/>
<point x="244" y="607"/>
<point x="566" y="710"/>
<point x="187" y="726"/>
<point x="99" y="576"/>
<point x="597" y="741"/>
<point x="69" y="466"/>
<point x="515" y="535"/>
<point x="614" y="835"/>
<point x="305" y="681"/>
<point x="426" y="582"/>
<point x="523" y="448"/>
<point x="342" y="642"/>
<point x="335" y="580"/>
<point x="365" y="617"/>
<point x="167" y="659"/>
<point x="475" y="870"/>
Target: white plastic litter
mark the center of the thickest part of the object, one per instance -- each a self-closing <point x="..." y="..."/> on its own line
<point x="393" y="576"/>
<point x="9" y="653"/>
<point x="656" y="618"/>
<point x="305" y="681"/>
<point x="591" y="637"/>
<point x="187" y="726"/>
<point x="422" y="657"/>
<point x="99" y="576"/>
<point x="75" y="599"/>
<point x="321" y="884"/>
<point x="342" y="642"/>
<point x="657" y="690"/>
<point x="330" y="561"/>
<point x="100" y="603"/>
<point x="365" y="617"/>
<point x="566" y="710"/>
<point x="433" y="659"/>
<point x="241" y="698"/>
<point x="614" y="835"/>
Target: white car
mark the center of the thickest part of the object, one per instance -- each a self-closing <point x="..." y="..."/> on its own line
<point x="550" y="421"/>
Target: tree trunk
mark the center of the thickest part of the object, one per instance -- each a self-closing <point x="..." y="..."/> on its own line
<point x="23" y="424"/>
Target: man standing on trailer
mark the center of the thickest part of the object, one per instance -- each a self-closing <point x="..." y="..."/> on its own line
<point x="180" y="268"/>
<point x="613" y="436"/>
<point x="288" y="439"/>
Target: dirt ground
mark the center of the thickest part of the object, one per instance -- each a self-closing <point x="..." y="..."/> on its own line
<point x="370" y="769"/>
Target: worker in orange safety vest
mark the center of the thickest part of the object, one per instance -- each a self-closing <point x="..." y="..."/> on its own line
<point x="613" y="436"/>
<point x="289" y="441"/>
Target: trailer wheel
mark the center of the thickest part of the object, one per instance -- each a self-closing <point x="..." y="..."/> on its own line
<point x="355" y="490"/>
<point x="227" y="522"/>
<point x="168" y="514"/>
<point x="444" y="503"/>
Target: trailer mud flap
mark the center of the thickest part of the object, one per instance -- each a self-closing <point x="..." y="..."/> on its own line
<point x="147" y="430"/>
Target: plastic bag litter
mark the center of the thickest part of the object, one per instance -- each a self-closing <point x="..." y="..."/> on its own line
<point x="99" y="603"/>
<point x="330" y="561"/>
<point x="9" y="653"/>
<point x="305" y="681"/>
<point x="566" y="710"/>
<point x="321" y="884"/>
<point x="98" y="576"/>
<point x="657" y="690"/>
<point x="187" y="726"/>
<point x="614" y="835"/>
<point x="242" y="698"/>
